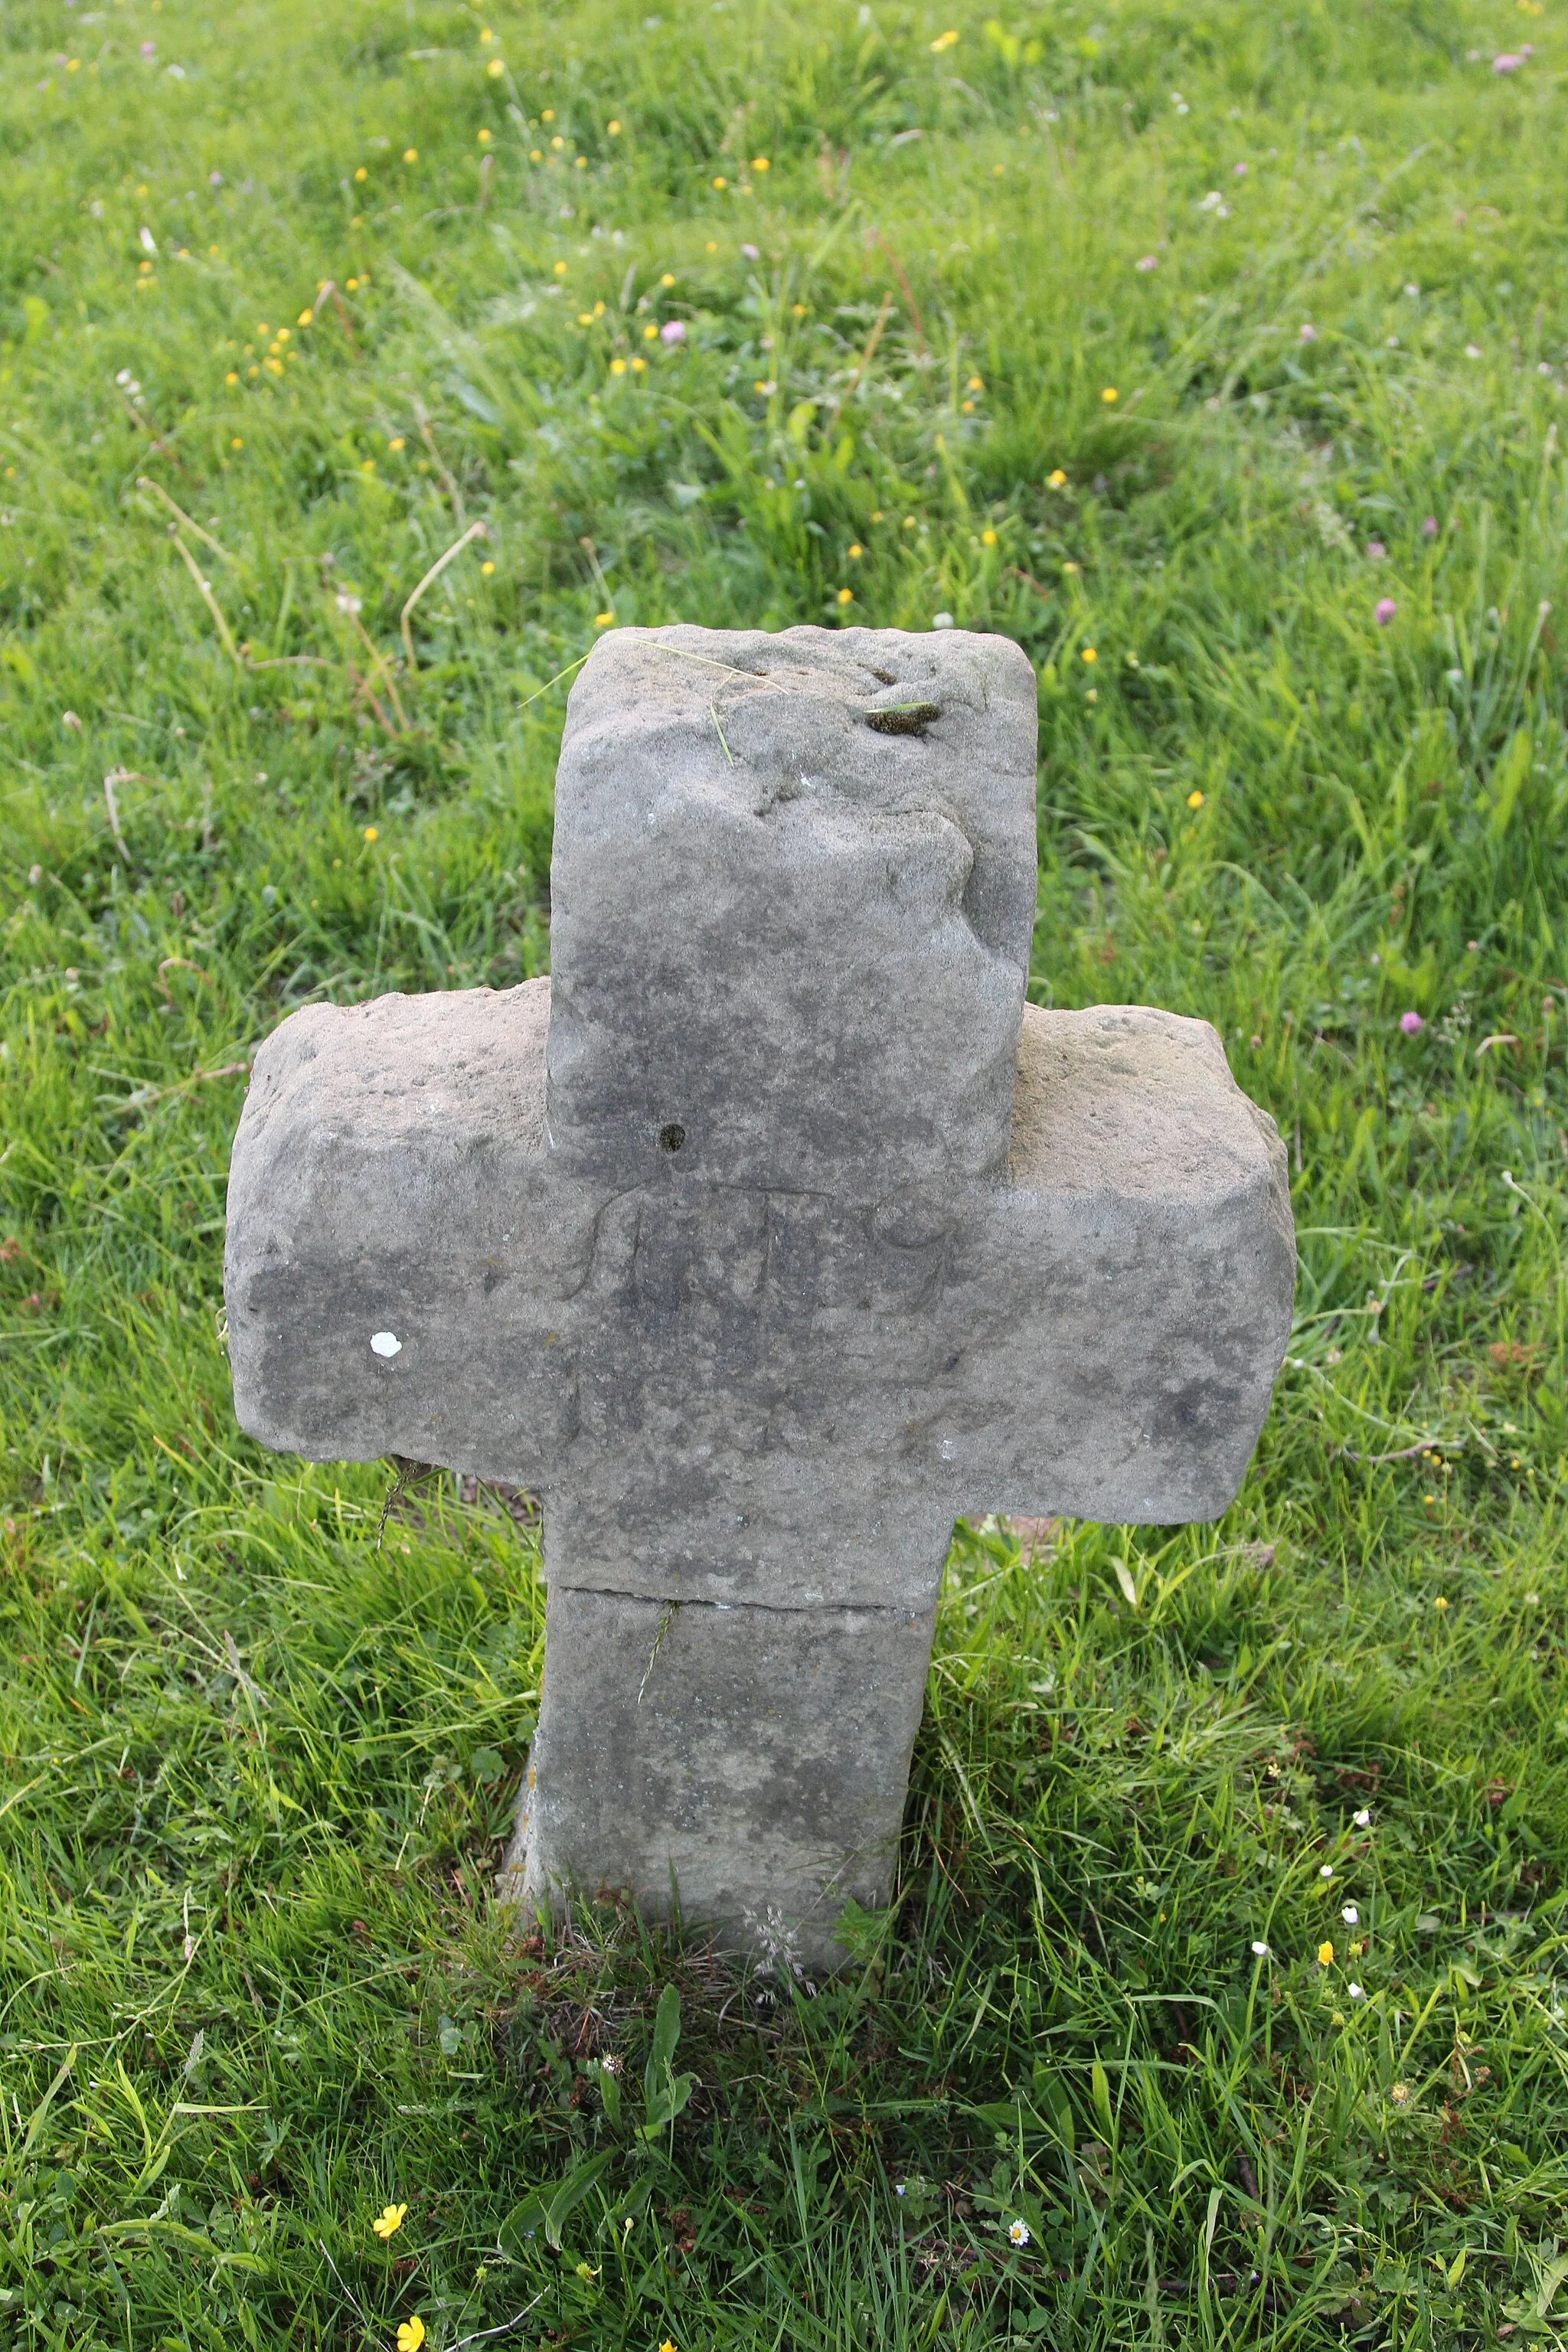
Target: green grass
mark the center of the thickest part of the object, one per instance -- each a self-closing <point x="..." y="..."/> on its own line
<point x="256" y="1773"/>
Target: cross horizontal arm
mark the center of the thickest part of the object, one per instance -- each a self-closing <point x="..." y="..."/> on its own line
<point x="728" y="1392"/>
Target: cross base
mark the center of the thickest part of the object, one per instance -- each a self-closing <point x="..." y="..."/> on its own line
<point x="741" y="1768"/>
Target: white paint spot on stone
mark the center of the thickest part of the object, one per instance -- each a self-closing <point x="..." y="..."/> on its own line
<point x="385" y="1343"/>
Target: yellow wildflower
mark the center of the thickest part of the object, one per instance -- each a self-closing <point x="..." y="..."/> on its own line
<point x="372" y="833"/>
<point x="411" y="155"/>
<point x="944" y="41"/>
<point x="495" y="69"/>
<point x="1089" y="654"/>
<point x="846" y="596"/>
<point x="1055" y="480"/>
<point x="1194" y="800"/>
<point x="988" y="539"/>
<point x="759" y="164"/>
<point x="389" y="2218"/>
<point x="1325" y="1955"/>
<point x="856" y="551"/>
<point x="410" y="2334"/>
<point x="487" y="566"/>
<point x="720" y="180"/>
<point x="614" y="128"/>
<point x="1109" y="393"/>
<point x="617" y="367"/>
<point x="602" y="620"/>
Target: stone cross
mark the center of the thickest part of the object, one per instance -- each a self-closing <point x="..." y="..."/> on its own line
<point x="768" y="1234"/>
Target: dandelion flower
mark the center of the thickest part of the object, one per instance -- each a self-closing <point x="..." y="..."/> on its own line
<point x="1194" y="800"/>
<point x="846" y="596"/>
<point x="1019" y="2232"/>
<point x="856" y="551"/>
<point x="395" y="441"/>
<point x="389" y="2221"/>
<point x="484" y="138"/>
<point x="232" y="377"/>
<point x="487" y="566"/>
<point x="410" y="2334"/>
<point x="1259" y="1949"/>
<point x="720" y="180"/>
<point x="759" y="164"/>
<point x="362" y="173"/>
<point x="944" y="41"/>
<point x="495" y="69"/>
<point x="372" y="833"/>
<point x="1325" y="1955"/>
<point x="1351" y="1915"/>
<point x="602" y="620"/>
<point x="1055" y="479"/>
<point x="1089" y="654"/>
<point x="558" y="269"/>
<point x="987" y="538"/>
<point x="614" y="128"/>
<point x="650" y="334"/>
<point x="617" y="367"/>
<point x="1109" y="394"/>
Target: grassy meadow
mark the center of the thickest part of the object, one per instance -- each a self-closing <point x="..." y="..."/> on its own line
<point x="1217" y="353"/>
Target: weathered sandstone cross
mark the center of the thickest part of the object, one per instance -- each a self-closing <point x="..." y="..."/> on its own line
<point x="771" y="1234"/>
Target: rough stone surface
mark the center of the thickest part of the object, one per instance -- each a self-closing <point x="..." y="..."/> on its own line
<point x="774" y="1232"/>
<point x="797" y="940"/>
<point x="759" y="1754"/>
